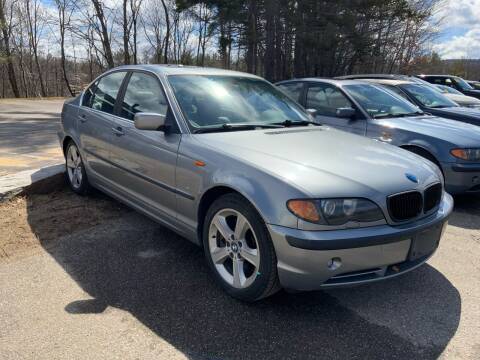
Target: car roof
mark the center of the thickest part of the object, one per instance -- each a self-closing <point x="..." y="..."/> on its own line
<point x="336" y="82"/>
<point x="440" y="76"/>
<point x="393" y="82"/>
<point x="184" y="70"/>
<point x="374" y="76"/>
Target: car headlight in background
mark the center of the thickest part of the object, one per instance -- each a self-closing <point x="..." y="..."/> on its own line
<point x="336" y="211"/>
<point x="466" y="154"/>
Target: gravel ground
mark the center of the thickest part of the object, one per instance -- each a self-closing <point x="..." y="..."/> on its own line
<point x="89" y="278"/>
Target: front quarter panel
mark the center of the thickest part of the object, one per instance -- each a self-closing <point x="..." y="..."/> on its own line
<point x="267" y="193"/>
<point x="388" y="131"/>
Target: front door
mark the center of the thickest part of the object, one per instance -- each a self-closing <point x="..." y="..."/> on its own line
<point x="326" y="99"/>
<point x="146" y="160"/>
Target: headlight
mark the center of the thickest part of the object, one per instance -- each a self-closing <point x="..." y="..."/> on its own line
<point x="466" y="154"/>
<point x="335" y="211"/>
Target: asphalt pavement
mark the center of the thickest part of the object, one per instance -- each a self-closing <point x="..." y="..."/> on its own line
<point x="106" y="282"/>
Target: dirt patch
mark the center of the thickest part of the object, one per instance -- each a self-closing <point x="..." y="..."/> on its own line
<point x="53" y="215"/>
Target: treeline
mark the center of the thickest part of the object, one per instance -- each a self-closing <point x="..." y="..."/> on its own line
<point x="54" y="48"/>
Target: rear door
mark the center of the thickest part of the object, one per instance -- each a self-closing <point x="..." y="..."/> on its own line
<point x="146" y="160"/>
<point x="96" y="122"/>
<point x="326" y="99"/>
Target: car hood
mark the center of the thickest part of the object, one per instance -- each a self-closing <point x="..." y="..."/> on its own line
<point x="463" y="99"/>
<point x="322" y="161"/>
<point x="475" y="93"/>
<point x="455" y="132"/>
<point x="458" y="112"/>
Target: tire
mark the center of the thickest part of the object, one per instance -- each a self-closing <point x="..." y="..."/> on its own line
<point x="244" y="265"/>
<point x="75" y="173"/>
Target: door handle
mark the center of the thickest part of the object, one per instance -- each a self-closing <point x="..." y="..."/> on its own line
<point x="118" y="131"/>
<point x="83" y="118"/>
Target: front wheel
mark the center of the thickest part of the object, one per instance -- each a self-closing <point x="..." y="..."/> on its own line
<point x="239" y="250"/>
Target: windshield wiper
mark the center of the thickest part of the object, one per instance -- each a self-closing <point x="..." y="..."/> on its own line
<point x="289" y="123"/>
<point x="236" y="126"/>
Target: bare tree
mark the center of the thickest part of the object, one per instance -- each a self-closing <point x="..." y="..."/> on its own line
<point x="65" y="10"/>
<point x="103" y="32"/>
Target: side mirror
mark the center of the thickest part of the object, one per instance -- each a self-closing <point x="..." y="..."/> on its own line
<point x="345" y="113"/>
<point x="312" y="112"/>
<point x="149" y="121"/>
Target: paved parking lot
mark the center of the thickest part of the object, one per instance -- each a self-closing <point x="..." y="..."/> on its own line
<point x="28" y="134"/>
<point x="89" y="278"/>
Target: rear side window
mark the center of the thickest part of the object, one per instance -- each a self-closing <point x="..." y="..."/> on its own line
<point x="294" y="90"/>
<point x="144" y="94"/>
<point x="102" y="95"/>
<point x="326" y="99"/>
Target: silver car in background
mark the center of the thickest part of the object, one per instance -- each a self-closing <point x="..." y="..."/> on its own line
<point x="234" y="165"/>
<point x="371" y="110"/>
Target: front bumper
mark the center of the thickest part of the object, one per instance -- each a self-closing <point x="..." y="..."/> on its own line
<point x="310" y="260"/>
<point x="461" y="177"/>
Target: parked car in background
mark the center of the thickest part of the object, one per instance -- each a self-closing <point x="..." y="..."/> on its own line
<point x="386" y="77"/>
<point x="452" y="81"/>
<point x="228" y="161"/>
<point x="458" y="97"/>
<point x="430" y="100"/>
<point x="373" y="111"/>
<point x="449" y="92"/>
<point x="474" y="84"/>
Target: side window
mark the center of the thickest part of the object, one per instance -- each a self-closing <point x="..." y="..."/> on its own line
<point x="326" y="99"/>
<point x="144" y="94"/>
<point x="103" y="93"/>
<point x="294" y="90"/>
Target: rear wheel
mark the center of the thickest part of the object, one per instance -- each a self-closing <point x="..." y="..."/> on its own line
<point x="239" y="250"/>
<point x="75" y="170"/>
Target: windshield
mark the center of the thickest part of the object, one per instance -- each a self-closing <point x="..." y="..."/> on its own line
<point x="379" y="102"/>
<point x="427" y="96"/>
<point x="211" y="101"/>
<point x="462" y="84"/>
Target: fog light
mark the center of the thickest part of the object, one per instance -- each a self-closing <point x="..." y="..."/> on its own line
<point x="334" y="263"/>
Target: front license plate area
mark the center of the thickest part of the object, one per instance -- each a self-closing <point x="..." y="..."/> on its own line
<point x="425" y="243"/>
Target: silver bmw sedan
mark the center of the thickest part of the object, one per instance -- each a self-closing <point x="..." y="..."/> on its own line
<point x="234" y="165"/>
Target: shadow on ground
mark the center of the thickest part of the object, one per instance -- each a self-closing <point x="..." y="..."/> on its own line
<point x="128" y="262"/>
<point x="467" y="212"/>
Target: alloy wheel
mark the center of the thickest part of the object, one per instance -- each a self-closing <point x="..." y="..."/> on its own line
<point x="74" y="167"/>
<point x="233" y="248"/>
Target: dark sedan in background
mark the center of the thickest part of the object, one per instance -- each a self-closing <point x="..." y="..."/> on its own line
<point x="452" y="81"/>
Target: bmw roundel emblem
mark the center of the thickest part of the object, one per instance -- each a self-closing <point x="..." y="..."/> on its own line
<point x="412" y="178"/>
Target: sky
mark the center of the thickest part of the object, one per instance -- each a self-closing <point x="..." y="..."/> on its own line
<point x="459" y="31"/>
